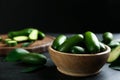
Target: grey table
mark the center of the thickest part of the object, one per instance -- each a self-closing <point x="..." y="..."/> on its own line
<point x="12" y="70"/>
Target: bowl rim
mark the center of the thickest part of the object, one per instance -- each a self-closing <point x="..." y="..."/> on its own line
<point x="108" y="49"/>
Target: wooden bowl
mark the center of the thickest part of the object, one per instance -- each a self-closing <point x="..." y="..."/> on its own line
<point x="79" y="64"/>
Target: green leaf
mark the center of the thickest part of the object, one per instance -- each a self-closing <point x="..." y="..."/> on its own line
<point x="30" y="69"/>
<point x="26" y="44"/>
<point x="116" y="64"/>
<point x="116" y="67"/>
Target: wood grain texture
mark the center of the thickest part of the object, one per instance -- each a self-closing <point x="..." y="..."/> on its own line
<point x="37" y="46"/>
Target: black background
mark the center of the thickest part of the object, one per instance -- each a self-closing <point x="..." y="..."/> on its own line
<point x="69" y="16"/>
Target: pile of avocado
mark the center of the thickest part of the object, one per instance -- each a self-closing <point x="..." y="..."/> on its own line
<point x="24" y="35"/>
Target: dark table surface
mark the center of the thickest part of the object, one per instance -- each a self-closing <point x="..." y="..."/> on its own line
<point x="12" y="70"/>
